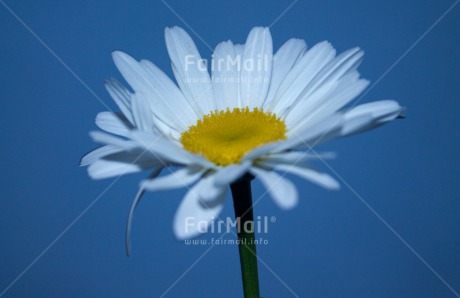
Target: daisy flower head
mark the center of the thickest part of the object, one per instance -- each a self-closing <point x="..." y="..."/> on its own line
<point x="255" y="112"/>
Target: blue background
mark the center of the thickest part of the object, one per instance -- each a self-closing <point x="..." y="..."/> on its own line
<point x="331" y="245"/>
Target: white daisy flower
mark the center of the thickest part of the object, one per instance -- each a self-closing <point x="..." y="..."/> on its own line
<point x="240" y="119"/>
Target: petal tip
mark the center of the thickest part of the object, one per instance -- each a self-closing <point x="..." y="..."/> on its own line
<point x="118" y="54"/>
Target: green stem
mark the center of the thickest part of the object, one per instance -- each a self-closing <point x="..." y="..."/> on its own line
<point x="242" y="201"/>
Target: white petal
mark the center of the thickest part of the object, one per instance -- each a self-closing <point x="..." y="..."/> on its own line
<point x="192" y="211"/>
<point x="164" y="98"/>
<point x="99" y="153"/>
<point x="323" y="83"/>
<point x="344" y="63"/>
<point x="110" y="160"/>
<point x="283" y="61"/>
<point x="294" y="157"/>
<point x="183" y="85"/>
<point x="162" y="147"/>
<point x="113" y="123"/>
<point x="326" y="101"/>
<point x="121" y="96"/>
<point x="167" y="150"/>
<point x="377" y="109"/>
<point x="356" y="124"/>
<point x="239" y="49"/>
<point x="256" y="68"/>
<point x="281" y="190"/>
<point x="359" y="119"/>
<point x="142" y="115"/>
<point x="305" y="108"/>
<point x="370" y="115"/>
<point x="166" y="130"/>
<point x="101" y="169"/>
<point x="210" y="189"/>
<point x="301" y="75"/>
<point x="178" y="179"/>
<point x="190" y="69"/>
<point x="230" y="173"/>
<point x="132" y="72"/>
<point x="225" y="76"/>
<point x="144" y="158"/>
<point x="322" y="131"/>
<point x="173" y="103"/>
<point x="261" y="151"/>
<point x="107" y="139"/>
<point x="321" y="179"/>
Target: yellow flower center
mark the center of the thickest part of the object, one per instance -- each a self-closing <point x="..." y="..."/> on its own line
<point x="224" y="137"/>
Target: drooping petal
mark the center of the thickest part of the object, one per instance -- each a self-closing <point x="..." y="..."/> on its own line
<point x="256" y="68"/>
<point x="155" y="172"/>
<point x="190" y="70"/>
<point x="283" y="61"/>
<point x="193" y="216"/>
<point x="280" y="189"/>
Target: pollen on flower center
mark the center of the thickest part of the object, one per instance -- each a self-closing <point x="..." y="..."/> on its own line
<point x="224" y="137"/>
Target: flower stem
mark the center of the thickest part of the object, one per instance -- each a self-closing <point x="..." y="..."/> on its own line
<point x="242" y="201"/>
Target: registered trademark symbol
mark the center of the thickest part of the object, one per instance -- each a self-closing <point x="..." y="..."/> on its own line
<point x="272" y="219"/>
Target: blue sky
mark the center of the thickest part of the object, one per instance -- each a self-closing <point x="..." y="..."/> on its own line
<point x="391" y="231"/>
